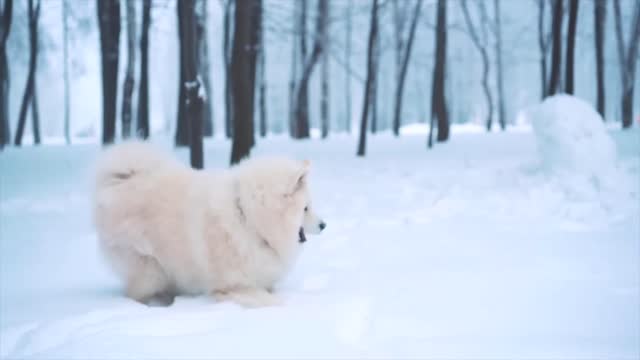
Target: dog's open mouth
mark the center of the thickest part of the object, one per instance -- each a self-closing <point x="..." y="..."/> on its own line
<point x="301" y="237"/>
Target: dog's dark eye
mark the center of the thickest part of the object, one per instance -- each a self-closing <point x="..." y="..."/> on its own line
<point x="306" y="208"/>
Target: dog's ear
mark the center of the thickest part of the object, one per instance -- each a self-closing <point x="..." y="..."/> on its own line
<point x="300" y="177"/>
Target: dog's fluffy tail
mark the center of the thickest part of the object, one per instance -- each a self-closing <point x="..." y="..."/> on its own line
<point x="123" y="162"/>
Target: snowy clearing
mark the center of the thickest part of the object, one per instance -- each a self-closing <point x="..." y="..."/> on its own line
<point x="466" y="251"/>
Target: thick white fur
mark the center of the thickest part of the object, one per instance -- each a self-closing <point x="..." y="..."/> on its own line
<point x="167" y="229"/>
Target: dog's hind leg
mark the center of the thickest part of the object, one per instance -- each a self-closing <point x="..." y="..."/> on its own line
<point x="248" y="297"/>
<point x="144" y="278"/>
<point x="147" y="282"/>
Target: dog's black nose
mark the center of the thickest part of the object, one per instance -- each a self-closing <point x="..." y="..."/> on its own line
<point x="322" y="225"/>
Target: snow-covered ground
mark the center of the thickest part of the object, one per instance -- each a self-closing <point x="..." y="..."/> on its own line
<point x="466" y="251"/>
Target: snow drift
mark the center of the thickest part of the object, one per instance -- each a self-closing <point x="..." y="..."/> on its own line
<point x="577" y="151"/>
<point x="571" y="136"/>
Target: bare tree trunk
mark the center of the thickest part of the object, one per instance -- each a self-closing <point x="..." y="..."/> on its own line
<point x="226" y="54"/>
<point x="243" y="68"/>
<point x="303" y="30"/>
<point x="302" y="91"/>
<point x="109" y="21"/>
<point x="373" y="33"/>
<point x="627" y="58"/>
<point x="479" y="38"/>
<point x="294" y="72"/>
<point x="600" y="13"/>
<point x="127" y="90"/>
<point x="399" y="20"/>
<point x="484" y="22"/>
<point x="404" y="65"/>
<point x="439" y="111"/>
<point x="6" y="14"/>
<point x="622" y="55"/>
<point x="262" y="93"/>
<point x="33" y="14"/>
<point x="632" y="57"/>
<point x="193" y="106"/>
<point x="499" y="69"/>
<point x="35" y="114"/>
<point x="202" y="13"/>
<point x="556" y="51"/>
<point x="182" y="125"/>
<point x="348" y="62"/>
<point x="143" y="91"/>
<point x="262" y="83"/>
<point x="544" y="37"/>
<point x="254" y="41"/>
<point x="302" y="123"/>
<point x="373" y="101"/>
<point x="65" y="71"/>
<point x="324" y="101"/>
<point x="571" y="41"/>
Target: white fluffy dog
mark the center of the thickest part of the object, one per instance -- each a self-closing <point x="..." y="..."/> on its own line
<point x="167" y="229"/>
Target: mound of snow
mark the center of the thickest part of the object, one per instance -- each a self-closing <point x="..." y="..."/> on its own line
<point x="578" y="152"/>
<point x="571" y="136"/>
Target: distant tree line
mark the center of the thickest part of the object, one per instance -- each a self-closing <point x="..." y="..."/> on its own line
<point x="243" y="52"/>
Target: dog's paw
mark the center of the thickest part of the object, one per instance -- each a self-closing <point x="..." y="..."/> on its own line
<point x="161" y="300"/>
<point x="249" y="298"/>
<point x="268" y="299"/>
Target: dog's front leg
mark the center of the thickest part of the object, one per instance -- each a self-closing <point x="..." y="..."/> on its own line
<point x="248" y="297"/>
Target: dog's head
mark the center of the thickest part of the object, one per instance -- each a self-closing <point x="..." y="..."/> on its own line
<point x="311" y="222"/>
<point x="276" y="199"/>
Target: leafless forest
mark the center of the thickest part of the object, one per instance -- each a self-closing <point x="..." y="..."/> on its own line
<point x="246" y="69"/>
